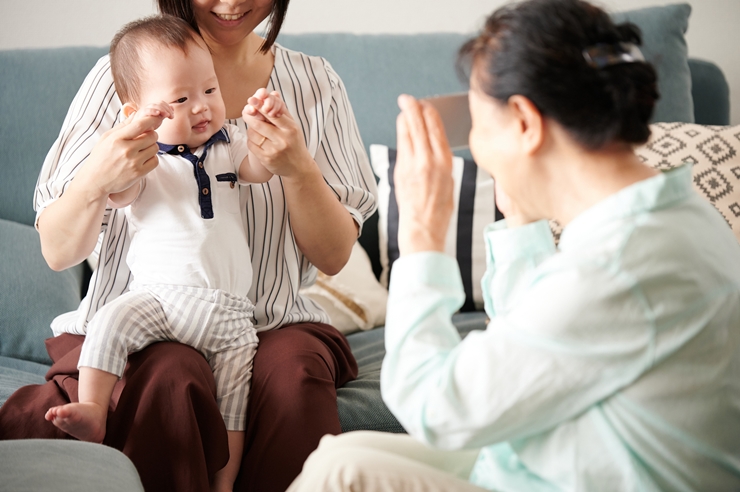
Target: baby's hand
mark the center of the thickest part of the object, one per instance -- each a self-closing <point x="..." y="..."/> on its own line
<point x="156" y="112"/>
<point x="265" y="104"/>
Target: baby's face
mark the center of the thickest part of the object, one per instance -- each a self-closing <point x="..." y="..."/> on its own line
<point x="187" y="83"/>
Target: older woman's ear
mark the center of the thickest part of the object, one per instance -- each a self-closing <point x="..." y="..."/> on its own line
<point x="530" y="123"/>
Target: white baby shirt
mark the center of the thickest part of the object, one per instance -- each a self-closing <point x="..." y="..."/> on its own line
<point x="173" y="239"/>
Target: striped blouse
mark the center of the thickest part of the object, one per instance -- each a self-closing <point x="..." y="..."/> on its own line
<point x="315" y="96"/>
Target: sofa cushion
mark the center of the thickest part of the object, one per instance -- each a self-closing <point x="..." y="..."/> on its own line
<point x="359" y="402"/>
<point x="39" y="465"/>
<point x="664" y="46"/>
<point x="353" y="298"/>
<point x="33" y="294"/>
<point x="474" y="209"/>
<point x="714" y="153"/>
<point x="37" y="87"/>
<point x="15" y="373"/>
<point x="710" y="93"/>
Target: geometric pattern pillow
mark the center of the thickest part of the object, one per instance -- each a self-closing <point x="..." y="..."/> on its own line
<point x="714" y="152"/>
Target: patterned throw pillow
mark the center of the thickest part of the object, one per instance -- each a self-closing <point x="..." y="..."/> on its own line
<point x="474" y="209"/>
<point x="714" y="152"/>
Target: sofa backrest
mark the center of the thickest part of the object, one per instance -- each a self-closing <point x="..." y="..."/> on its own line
<point x="36" y="89"/>
<point x="37" y="86"/>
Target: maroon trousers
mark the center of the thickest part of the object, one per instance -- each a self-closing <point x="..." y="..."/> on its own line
<point x="164" y="415"/>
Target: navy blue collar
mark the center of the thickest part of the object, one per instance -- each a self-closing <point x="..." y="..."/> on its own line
<point x="199" y="172"/>
<point x="220" y="135"/>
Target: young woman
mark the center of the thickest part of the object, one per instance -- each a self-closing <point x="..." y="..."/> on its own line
<point x="306" y="218"/>
<point x="611" y="362"/>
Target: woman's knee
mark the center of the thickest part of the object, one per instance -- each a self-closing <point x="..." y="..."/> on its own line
<point x="351" y="440"/>
<point x="337" y="459"/>
<point x="291" y="359"/>
<point x="170" y="365"/>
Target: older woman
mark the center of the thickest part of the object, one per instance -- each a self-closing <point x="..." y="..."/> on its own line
<point x="306" y="218"/>
<point x="611" y="362"/>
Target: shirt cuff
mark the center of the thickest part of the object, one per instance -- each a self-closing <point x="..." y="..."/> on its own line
<point x="509" y="244"/>
<point x="40" y="209"/>
<point x="428" y="268"/>
<point x="357" y="217"/>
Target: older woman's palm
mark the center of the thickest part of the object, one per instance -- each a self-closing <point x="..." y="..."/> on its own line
<point x="423" y="178"/>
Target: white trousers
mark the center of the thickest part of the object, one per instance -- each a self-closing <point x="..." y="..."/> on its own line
<point x="382" y="462"/>
<point x="214" y="322"/>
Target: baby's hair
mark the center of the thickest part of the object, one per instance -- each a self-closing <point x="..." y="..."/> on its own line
<point x="536" y="49"/>
<point x="125" y="50"/>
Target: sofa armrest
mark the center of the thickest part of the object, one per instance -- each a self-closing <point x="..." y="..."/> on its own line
<point x="710" y="92"/>
<point x="65" y="466"/>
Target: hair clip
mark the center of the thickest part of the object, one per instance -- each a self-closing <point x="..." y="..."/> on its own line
<point x="605" y="55"/>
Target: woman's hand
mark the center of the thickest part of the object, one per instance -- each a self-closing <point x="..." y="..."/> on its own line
<point x="513" y="213"/>
<point x="275" y="138"/>
<point x="69" y="227"/>
<point x="423" y="178"/>
<point x="124" y="154"/>
<point x="322" y="227"/>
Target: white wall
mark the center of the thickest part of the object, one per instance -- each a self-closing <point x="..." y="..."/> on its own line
<point x="714" y="29"/>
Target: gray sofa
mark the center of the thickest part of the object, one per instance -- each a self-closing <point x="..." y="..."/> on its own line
<point x="36" y="87"/>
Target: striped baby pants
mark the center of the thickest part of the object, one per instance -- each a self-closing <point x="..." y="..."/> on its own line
<point x="214" y="322"/>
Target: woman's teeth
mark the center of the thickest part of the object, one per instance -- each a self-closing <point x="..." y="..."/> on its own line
<point x="230" y="17"/>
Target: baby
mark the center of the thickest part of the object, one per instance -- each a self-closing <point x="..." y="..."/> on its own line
<point x="189" y="255"/>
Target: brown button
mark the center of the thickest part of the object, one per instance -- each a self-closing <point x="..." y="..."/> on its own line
<point x="200" y="165"/>
<point x="205" y="191"/>
<point x="180" y="148"/>
<point x="231" y="184"/>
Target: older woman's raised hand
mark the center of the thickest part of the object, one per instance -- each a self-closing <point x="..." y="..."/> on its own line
<point x="423" y="178"/>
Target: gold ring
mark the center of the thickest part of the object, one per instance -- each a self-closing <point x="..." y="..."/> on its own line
<point x="264" y="138"/>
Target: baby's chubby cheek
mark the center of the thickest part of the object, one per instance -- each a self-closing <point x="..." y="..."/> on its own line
<point x="173" y="131"/>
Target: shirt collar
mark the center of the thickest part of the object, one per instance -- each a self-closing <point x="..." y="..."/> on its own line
<point x="221" y="135"/>
<point x="648" y="195"/>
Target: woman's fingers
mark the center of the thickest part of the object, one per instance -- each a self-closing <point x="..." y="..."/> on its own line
<point x="420" y="132"/>
<point x="150" y="163"/>
<point x="265" y="128"/>
<point x="250" y="113"/>
<point x="132" y="127"/>
<point x="124" y="154"/>
<point x="423" y="178"/>
<point x="403" y="139"/>
<point x="436" y="132"/>
<point x="415" y="123"/>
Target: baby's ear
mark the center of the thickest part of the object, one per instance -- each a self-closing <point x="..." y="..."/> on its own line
<point x="128" y="109"/>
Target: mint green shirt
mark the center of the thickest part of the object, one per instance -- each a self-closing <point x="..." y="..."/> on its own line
<point x="610" y="363"/>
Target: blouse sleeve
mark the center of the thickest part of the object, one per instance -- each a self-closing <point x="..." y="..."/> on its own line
<point x="94" y="110"/>
<point x="543" y="359"/>
<point x="341" y="155"/>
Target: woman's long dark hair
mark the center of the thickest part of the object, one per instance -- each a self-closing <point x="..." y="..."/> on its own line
<point x="184" y="10"/>
<point x="536" y="49"/>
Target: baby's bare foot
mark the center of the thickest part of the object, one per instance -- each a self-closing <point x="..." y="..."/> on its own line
<point x="85" y="421"/>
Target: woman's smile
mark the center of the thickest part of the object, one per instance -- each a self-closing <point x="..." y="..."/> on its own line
<point x="230" y="19"/>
